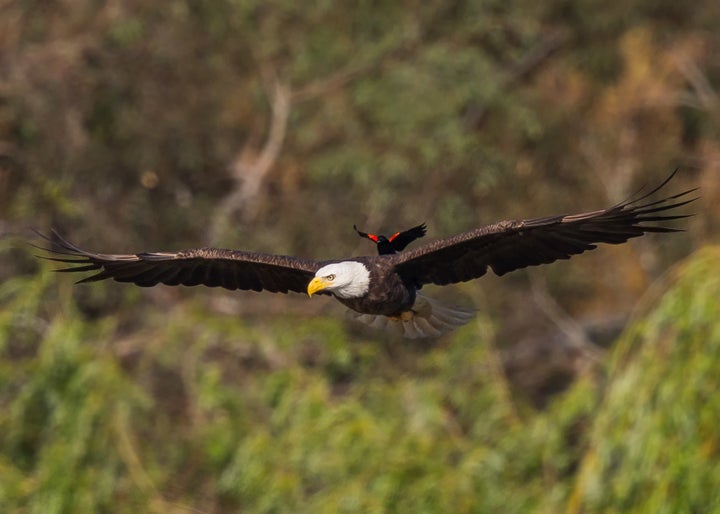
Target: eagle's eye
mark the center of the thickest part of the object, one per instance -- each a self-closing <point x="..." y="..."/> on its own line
<point x="330" y="277"/>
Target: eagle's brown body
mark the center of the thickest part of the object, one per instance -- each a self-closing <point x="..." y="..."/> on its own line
<point x="388" y="294"/>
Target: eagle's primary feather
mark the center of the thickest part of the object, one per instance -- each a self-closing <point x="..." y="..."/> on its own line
<point x="510" y="245"/>
<point x="212" y="267"/>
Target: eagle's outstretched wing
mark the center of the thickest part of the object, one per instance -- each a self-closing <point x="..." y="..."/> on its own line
<point x="212" y="267"/>
<point x="510" y="245"/>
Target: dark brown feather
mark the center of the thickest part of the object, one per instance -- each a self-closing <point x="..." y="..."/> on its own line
<point x="510" y="245"/>
<point x="213" y="267"/>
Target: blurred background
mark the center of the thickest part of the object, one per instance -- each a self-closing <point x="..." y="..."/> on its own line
<point x="584" y="386"/>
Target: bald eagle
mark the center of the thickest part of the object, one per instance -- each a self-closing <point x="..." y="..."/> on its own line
<point x="383" y="290"/>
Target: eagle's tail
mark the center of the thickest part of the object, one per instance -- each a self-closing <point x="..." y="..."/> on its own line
<point x="427" y="318"/>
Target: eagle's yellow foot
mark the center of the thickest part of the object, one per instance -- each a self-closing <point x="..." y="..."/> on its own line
<point x="404" y="316"/>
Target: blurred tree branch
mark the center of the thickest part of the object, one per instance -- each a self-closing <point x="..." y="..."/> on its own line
<point x="520" y="71"/>
<point x="576" y="337"/>
<point x="704" y="96"/>
<point x="251" y="166"/>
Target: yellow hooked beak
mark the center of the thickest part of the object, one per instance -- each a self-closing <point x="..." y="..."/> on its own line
<point x="317" y="284"/>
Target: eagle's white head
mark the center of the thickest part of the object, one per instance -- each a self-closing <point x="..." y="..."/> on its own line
<point x="346" y="279"/>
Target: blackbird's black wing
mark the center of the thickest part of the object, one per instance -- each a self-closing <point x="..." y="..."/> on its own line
<point x="371" y="237"/>
<point x="396" y="242"/>
<point x="511" y="245"/>
<point x="400" y="240"/>
<point x="212" y="267"/>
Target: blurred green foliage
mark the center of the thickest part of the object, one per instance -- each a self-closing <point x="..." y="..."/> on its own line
<point x="655" y="444"/>
<point x="199" y="412"/>
<point x="275" y="126"/>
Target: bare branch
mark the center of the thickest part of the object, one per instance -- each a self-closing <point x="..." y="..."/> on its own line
<point x="531" y="61"/>
<point x="576" y="336"/>
<point x="250" y="168"/>
<point x="324" y="86"/>
<point x="552" y="42"/>
<point x="705" y="96"/>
